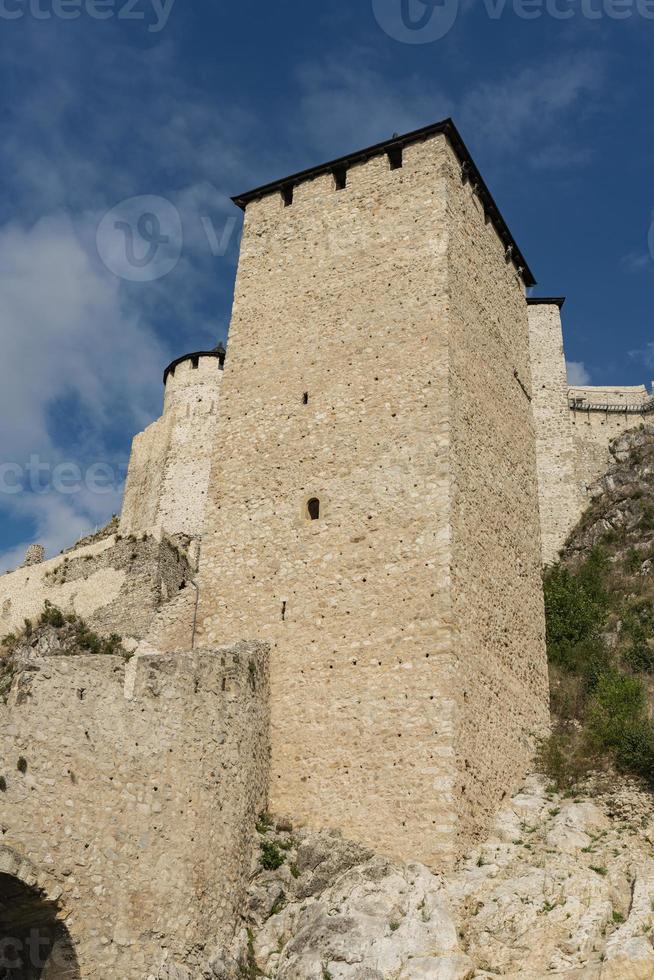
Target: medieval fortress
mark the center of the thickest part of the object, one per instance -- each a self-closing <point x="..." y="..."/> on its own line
<point x="327" y="570"/>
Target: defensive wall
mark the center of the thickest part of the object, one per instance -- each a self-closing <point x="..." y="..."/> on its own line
<point x="128" y="800"/>
<point x="574" y="426"/>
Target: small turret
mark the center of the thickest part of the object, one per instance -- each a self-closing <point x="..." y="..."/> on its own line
<point x="170" y="462"/>
<point x="185" y="377"/>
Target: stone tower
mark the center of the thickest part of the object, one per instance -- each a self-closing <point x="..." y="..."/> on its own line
<point x="168" y="473"/>
<point x="561" y="501"/>
<point x="373" y="505"/>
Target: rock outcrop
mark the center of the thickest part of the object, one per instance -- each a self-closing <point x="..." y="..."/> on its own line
<point x="563" y="886"/>
<point x="621" y="515"/>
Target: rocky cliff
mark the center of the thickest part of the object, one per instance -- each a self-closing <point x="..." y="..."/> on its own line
<point x="563" y="886"/>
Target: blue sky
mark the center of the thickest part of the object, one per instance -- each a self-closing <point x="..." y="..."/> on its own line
<point x="189" y="102"/>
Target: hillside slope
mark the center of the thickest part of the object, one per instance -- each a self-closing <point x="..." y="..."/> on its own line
<point x="600" y="625"/>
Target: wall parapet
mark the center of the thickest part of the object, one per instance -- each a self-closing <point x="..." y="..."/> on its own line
<point x="581" y="403"/>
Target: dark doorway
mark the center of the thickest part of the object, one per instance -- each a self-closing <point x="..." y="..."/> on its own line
<point x="34" y="944"/>
<point x="313" y="508"/>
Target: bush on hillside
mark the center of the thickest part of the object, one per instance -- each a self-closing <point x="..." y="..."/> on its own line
<point x="599" y="694"/>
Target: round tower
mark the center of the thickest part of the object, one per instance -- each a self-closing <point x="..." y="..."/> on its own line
<point x="190" y="379"/>
<point x="170" y="462"/>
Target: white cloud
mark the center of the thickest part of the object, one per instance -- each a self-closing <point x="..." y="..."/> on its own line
<point x="68" y="338"/>
<point x="531" y="104"/>
<point x="77" y="342"/>
<point x="535" y="106"/>
<point x="578" y="373"/>
<point x="644" y="354"/>
<point x="347" y="103"/>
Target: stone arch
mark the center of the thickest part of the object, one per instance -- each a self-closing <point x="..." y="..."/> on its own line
<point x="34" y="941"/>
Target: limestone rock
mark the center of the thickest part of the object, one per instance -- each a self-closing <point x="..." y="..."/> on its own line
<point x="562" y="887"/>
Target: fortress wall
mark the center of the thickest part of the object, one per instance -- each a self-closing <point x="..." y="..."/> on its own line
<point x="117" y="585"/>
<point x="593" y="431"/>
<point x="501" y="664"/>
<point x="168" y="473"/>
<point x="561" y="500"/>
<point x="142" y="786"/>
<point x="343" y="295"/>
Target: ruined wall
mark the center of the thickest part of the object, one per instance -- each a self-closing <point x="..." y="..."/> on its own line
<point x="561" y="498"/>
<point x="499" y="640"/>
<point x="343" y="297"/>
<point x="594" y="430"/>
<point x="169" y="465"/>
<point x="133" y="790"/>
<point x="118" y="585"/>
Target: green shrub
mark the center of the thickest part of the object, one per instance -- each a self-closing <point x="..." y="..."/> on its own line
<point x="618" y="702"/>
<point x="565" y="757"/>
<point x="271" y="856"/>
<point x="576" y="608"/>
<point x="599" y="700"/>
<point x="633" y="562"/>
<point x="51" y="616"/>
<point x="635" y="752"/>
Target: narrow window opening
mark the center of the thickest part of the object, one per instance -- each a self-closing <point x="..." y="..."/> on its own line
<point x="340" y="178"/>
<point x="195" y="361"/>
<point x="287" y="195"/>
<point x="313" y="508"/>
<point x="395" y="157"/>
<point x="283" y="612"/>
<point x="305" y="398"/>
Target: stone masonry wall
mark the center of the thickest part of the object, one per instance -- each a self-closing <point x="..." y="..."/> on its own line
<point x="498" y="613"/>
<point x="342" y="296"/>
<point x="593" y="431"/>
<point x="133" y="789"/>
<point x="561" y="499"/>
<point x="118" y="585"/>
<point x="168" y="473"/>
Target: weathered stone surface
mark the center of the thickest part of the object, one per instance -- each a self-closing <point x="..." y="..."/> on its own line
<point x="411" y="610"/>
<point x="34" y="555"/>
<point x="133" y="789"/>
<point x="561" y="498"/>
<point x="168" y="475"/>
<point x="117" y="584"/>
<point x="562" y="886"/>
<point x="623" y="499"/>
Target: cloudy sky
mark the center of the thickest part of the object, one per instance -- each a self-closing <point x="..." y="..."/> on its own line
<point x="183" y="103"/>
